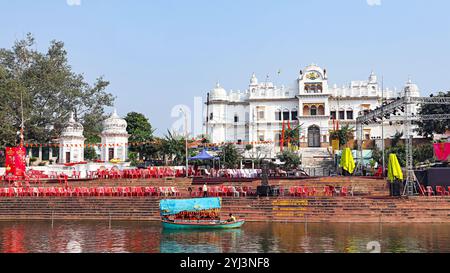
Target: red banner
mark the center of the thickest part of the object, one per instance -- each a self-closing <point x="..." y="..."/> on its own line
<point x="442" y="151"/>
<point x="15" y="161"/>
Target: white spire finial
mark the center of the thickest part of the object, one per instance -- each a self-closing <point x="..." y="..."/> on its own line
<point x="409" y="80"/>
<point x="114" y="114"/>
<point x="254" y="80"/>
<point x="217" y="84"/>
<point x="72" y="117"/>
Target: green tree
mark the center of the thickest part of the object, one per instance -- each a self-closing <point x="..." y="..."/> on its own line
<point x="430" y="127"/>
<point x="50" y="90"/>
<point x="291" y="160"/>
<point x="90" y="153"/>
<point x="396" y="139"/>
<point x="133" y="157"/>
<point x="423" y="153"/>
<point x="293" y="136"/>
<point x="230" y="156"/>
<point x="140" y="130"/>
<point x="174" y="148"/>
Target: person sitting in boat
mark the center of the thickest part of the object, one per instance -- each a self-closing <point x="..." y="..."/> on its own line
<point x="232" y="218"/>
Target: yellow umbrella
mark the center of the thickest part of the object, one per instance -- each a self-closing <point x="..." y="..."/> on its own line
<point x="394" y="169"/>
<point x="347" y="161"/>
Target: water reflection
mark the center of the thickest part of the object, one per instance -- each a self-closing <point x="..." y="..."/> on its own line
<point x="149" y="237"/>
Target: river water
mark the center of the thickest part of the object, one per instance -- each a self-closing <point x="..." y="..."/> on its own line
<point x="149" y="237"/>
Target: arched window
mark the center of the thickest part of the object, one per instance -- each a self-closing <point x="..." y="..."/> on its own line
<point x="349" y="113"/>
<point x="313" y="110"/>
<point x="321" y="110"/>
<point x="306" y="110"/>
<point x="278" y="114"/>
<point x="285" y="114"/>
<point x="294" y="114"/>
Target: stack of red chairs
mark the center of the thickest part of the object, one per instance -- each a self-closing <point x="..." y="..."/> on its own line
<point x="441" y="191"/>
<point x="429" y="191"/>
<point x="344" y="191"/>
<point x="328" y="191"/>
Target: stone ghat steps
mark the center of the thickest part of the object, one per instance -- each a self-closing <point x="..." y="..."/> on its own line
<point x="426" y="209"/>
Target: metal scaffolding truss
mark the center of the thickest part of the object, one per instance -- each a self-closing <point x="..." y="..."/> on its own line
<point x="430" y="100"/>
<point x="419" y="118"/>
<point x="380" y="112"/>
<point x="389" y="112"/>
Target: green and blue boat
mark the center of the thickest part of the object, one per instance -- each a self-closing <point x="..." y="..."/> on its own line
<point x="173" y="207"/>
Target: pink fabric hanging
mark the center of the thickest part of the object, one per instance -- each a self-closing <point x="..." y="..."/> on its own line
<point x="442" y="151"/>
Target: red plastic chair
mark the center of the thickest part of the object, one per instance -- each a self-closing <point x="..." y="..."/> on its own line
<point x="344" y="191"/>
<point x="121" y="191"/>
<point x="441" y="190"/>
<point x="379" y="172"/>
<point x="328" y="191"/>
<point x="422" y="190"/>
<point x="298" y="191"/>
<point x="127" y="191"/>
<point x="92" y="192"/>
<point x="139" y="191"/>
<point x="306" y="192"/>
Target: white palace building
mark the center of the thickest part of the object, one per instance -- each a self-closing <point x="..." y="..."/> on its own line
<point x="258" y="113"/>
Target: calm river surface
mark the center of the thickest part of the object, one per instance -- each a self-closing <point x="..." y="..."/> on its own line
<point x="149" y="237"/>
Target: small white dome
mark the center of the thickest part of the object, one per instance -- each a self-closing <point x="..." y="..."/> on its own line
<point x="72" y="128"/>
<point x="115" y="125"/>
<point x="218" y="93"/>
<point x="413" y="89"/>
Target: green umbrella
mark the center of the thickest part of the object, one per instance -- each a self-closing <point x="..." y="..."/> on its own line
<point x="394" y="169"/>
<point x="347" y="161"/>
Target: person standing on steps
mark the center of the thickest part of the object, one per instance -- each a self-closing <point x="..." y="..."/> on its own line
<point x="205" y="190"/>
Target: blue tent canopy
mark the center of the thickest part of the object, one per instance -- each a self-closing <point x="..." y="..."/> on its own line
<point x="172" y="206"/>
<point x="203" y="155"/>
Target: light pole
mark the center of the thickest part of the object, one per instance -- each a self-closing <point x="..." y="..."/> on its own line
<point x="383" y="163"/>
<point x="186" y="139"/>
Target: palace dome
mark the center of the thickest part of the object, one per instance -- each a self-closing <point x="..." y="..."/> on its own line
<point x="114" y="125"/>
<point x="314" y="67"/>
<point x="72" y="128"/>
<point x="413" y="88"/>
<point x="218" y="93"/>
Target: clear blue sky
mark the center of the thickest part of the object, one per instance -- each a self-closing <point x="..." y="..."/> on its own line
<point x="161" y="53"/>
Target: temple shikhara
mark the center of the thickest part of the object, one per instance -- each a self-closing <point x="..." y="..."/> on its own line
<point x="259" y="114"/>
<point x="71" y="142"/>
<point x="114" y="132"/>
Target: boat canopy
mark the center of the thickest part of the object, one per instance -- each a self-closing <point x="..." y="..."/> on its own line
<point x="174" y="206"/>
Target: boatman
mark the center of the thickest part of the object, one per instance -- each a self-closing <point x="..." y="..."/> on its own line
<point x="205" y="190"/>
<point x="232" y="218"/>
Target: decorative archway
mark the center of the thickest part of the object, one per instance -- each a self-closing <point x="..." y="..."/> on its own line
<point x="321" y="110"/>
<point x="314" y="136"/>
<point x="306" y="110"/>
